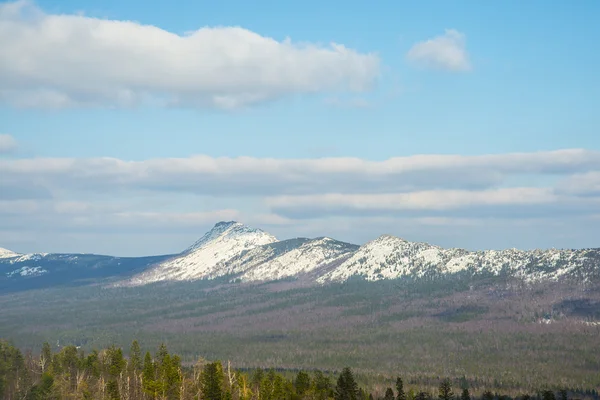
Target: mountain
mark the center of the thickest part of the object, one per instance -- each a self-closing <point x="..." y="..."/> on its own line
<point x="289" y="258"/>
<point x="389" y="257"/>
<point x="41" y="270"/>
<point x="240" y="253"/>
<point x="202" y="260"/>
<point x="4" y="253"/>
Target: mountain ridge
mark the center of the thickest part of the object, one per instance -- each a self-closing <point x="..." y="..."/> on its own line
<point x="240" y="253"/>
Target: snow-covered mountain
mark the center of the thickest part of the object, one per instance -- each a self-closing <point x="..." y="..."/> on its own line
<point x="389" y="257"/>
<point x="286" y="259"/>
<point x="41" y="270"/>
<point x="202" y="260"/>
<point x="5" y="253"/>
<point x="243" y="254"/>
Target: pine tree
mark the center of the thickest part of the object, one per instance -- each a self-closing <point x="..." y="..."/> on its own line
<point x="302" y="383"/>
<point x="212" y="381"/>
<point x="43" y="390"/>
<point x="112" y="390"/>
<point x="346" y="388"/>
<point x="400" y="395"/>
<point x="149" y="375"/>
<point x="116" y="361"/>
<point x="389" y="394"/>
<point x="445" y="390"/>
<point x="135" y="357"/>
<point x="465" y="394"/>
<point x="322" y="386"/>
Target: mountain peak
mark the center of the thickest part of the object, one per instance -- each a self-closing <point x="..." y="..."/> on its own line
<point x="5" y="253"/>
<point x="224" y="241"/>
<point x="225" y="224"/>
<point x="226" y="229"/>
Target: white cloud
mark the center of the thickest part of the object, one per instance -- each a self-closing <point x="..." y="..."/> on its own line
<point x="248" y="176"/>
<point x="7" y="143"/>
<point x="422" y="197"/>
<point x="72" y="60"/>
<point x="435" y="200"/>
<point x="447" y="52"/>
<point x="581" y="184"/>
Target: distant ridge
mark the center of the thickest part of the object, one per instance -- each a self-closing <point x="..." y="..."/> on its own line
<point x="239" y="253"/>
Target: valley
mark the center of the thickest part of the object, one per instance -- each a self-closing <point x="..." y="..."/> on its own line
<point x="501" y="318"/>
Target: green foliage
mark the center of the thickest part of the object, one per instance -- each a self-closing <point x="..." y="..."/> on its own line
<point x="212" y="381"/>
<point x="465" y="395"/>
<point x="346" y="388"/>
<point x="389" y="394"/>
<point x="116" y="361"/>
<point x="322" y="386"/>
<point x="400" y="395"/>
<point x="42" y="390"/>
<point x="112" y="390"/>
<point x="302" y="383"/>
<point x="135" y="357"/>
<point x="445" y="390"/>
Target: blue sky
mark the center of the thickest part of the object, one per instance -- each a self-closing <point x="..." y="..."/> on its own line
<point x="462" y="82"/>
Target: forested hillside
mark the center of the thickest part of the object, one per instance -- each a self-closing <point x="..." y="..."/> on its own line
<point x="70" y="373"/>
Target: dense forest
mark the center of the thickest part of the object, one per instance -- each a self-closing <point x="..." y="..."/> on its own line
<point x="69" y="373"/>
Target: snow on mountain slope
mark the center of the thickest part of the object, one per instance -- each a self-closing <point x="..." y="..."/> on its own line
<point x="224" y="241"/>
<point x="301" y="260"/>
<point x="389" y="257"/>
<point x="255" y="257"/>
<point x="27" y="271"/>
<point x="5" y="253"/>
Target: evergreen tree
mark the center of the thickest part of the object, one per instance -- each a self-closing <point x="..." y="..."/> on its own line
<point x="322" y="386"/>
<point x="116" y="361"/>
<point x="465" y="394"/>
<point x="302" y="383"/>
<point x="162" y="353"/>
<point x="43" y="390"/>
<point x="445" y="390"/>
<point x="149" y="376"/>
<point x="346" y="388"/>
<point x="135" y="357"/>
<point x="112" y="390"/>
<point x="389" y="394"/>
<point x="212" y="381"/>
<point x="257" y="377"/>
<point x="400" y="395"/>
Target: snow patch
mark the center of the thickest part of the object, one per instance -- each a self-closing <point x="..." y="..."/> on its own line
<point x="27" y="271"/>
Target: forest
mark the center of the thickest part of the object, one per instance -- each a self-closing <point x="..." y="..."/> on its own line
<point x="504" y="337"/>
<point x="108" y="374"/>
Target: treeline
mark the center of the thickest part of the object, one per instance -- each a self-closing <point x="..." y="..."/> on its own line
<point x="109" y="375"/>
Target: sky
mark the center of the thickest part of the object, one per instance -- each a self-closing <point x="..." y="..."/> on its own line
<point x="130" y="128"/>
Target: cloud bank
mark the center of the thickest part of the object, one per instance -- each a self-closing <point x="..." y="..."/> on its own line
<point x="424" y="196"/>
<point x="57" y="61"/>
